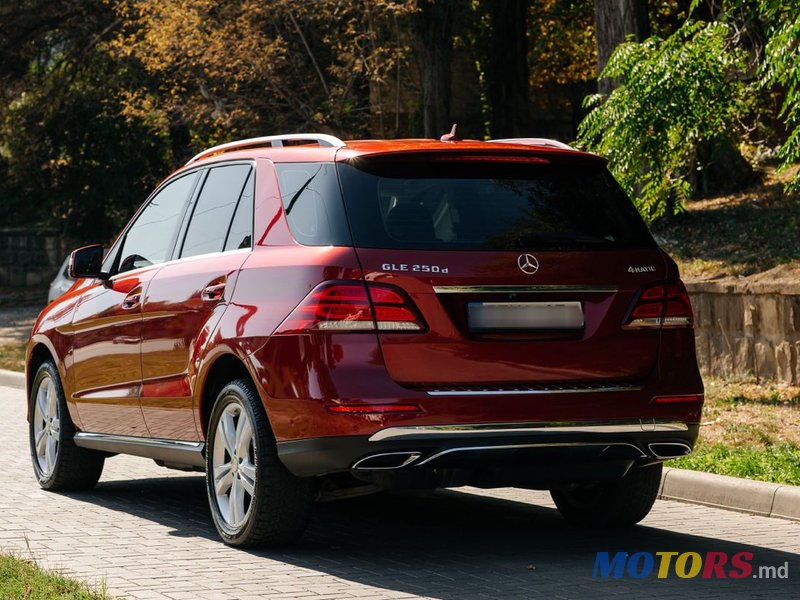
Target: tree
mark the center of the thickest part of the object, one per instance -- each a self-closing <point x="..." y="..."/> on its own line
<point x="615" y="21"/>
<point x="502" y="53"/>
<point x="781" y="67"/>
<point x="674" y="98"/>
<point x="295" y="65"/>
<point x="433" y="26"/>
<point x="68" y="155"/>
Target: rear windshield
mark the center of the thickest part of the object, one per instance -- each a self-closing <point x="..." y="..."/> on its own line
<point x="483" y="205"/>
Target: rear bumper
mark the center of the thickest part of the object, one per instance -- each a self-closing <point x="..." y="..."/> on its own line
<point x="541" y="451"/>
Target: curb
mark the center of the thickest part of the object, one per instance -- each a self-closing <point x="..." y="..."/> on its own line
<point x="731" y="493"/>
<point x="12" y="379"/>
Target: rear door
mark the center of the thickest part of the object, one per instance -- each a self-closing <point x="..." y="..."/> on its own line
<point x="523" y="267"/>
<point x="187" y="297"/>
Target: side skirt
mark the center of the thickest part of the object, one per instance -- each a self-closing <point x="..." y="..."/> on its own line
<point x="173" y="452"/>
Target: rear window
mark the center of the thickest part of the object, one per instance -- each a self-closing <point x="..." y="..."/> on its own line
<point x="487" y="205"/>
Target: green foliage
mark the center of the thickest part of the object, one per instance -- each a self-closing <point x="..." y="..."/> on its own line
<point x="778" y="464"/>
<point x="78" y="163"/>
<point x="69" y="156"/>
<point x="674" y="95"/>
<point x="781" y="67"/>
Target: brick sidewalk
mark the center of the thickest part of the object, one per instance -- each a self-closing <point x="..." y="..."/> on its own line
<point x="146" y="532"/>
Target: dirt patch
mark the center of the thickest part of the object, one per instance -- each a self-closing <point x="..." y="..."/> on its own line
<point x="744" y="414"/>
<point x="750" y="234"/>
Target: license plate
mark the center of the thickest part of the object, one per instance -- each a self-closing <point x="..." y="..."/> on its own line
<point x="485" y="316"/>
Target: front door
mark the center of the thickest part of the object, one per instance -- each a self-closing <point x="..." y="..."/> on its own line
<point x="107" y="325"/>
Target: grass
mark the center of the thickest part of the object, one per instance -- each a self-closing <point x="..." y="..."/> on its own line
<point x="12" y="356"/>
<point x="778" y="464"/>
<point x="24" y="579"/>
<point x="737" y="235"/>
<point x="749" y="430"/>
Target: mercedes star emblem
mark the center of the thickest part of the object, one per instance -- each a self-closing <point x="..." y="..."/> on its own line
<point x="528" y="263"/>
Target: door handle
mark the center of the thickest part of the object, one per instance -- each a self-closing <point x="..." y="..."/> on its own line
<point x="132" y="300"/>
<point x="213" y="292"/>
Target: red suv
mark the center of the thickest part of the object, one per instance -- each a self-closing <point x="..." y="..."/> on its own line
<point x="301" y="317"/>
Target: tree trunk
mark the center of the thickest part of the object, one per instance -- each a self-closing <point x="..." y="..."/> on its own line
<point x="434" y="24"/>
<point x="614" y="21"/>
<point x="504" y="62"/>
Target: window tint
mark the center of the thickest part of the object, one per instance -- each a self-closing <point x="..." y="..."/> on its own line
<point x="212" y="213"/>
<point x="150" y="238"/>
<point x="313" y="204"/>
<point x="241" y="233"/>
<point x="488" y="205"/>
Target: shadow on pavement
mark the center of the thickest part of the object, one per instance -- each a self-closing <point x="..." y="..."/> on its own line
<point x="454" y="545"/>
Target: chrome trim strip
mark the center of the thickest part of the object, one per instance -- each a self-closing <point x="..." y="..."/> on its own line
<point x="412" y="456"/>
<point x="567" y="390"/>
<point x="516" y="289"/>
<point x="518" y="446"/>
<point x="173" y="261"/>
<point x="179" y="451"/>
<point x="534" y="428"/>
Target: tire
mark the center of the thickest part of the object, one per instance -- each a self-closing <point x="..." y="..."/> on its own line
<point x="59" y="465"/>
<point x="260" y="503"/>
<point x="621" y="503"/>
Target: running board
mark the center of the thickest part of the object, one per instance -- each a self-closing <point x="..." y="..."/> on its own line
<point x="174" y="452"/>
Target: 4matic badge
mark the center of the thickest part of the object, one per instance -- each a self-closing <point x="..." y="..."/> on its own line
<point x="643" y="269"/>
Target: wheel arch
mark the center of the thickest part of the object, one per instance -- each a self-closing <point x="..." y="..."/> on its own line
<point x="224" y="367"/>
<point x="39" y="351"/>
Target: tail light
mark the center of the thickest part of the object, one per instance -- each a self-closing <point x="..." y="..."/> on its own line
<point x="661" y="305"/>
<point x="353" y="306"/>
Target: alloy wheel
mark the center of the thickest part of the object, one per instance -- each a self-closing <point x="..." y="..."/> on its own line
<point x="233" y="464"/>
<point x="46" y="425"/>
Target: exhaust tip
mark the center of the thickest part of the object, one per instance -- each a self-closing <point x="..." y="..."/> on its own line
<point x="386" y="461"/>
<point x="669" y="449"/>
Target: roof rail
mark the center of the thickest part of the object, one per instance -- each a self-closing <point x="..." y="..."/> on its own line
<point x="276" y="141"/>
<point x="535" y="142"/>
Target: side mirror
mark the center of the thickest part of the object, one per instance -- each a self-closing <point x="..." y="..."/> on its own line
<point x="86" y="262"/>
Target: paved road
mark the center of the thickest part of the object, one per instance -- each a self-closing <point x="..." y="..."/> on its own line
<point x="146" y="533"/>
<point x="16" y="322"/>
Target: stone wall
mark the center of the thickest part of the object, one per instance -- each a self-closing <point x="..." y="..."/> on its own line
<point x="748" y="329"/>
<point x="30" y="257"/>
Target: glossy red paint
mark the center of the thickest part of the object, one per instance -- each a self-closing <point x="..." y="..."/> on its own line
<point x="135" y="352"/>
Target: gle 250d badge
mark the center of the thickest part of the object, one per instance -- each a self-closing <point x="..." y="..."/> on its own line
<point x="409" y="268"/>
<point x="528" y="263"/>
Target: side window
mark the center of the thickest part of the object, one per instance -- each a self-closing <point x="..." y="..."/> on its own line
<point x="212" y="213"/>
<point x="149" y="239"/>
<point x="241" y="233"/>
<point x="313" y="204"/>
